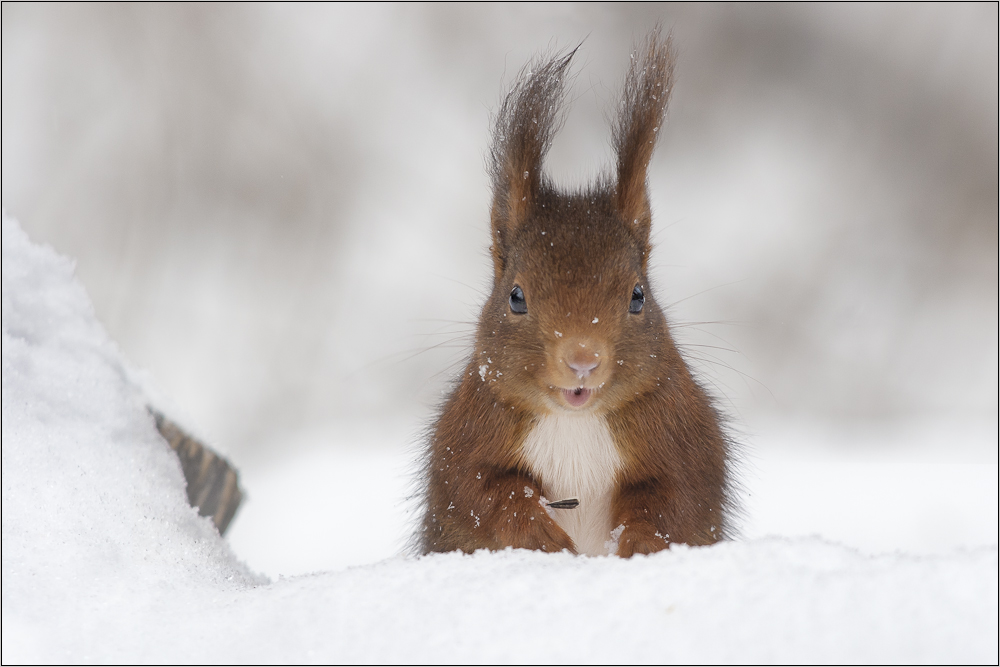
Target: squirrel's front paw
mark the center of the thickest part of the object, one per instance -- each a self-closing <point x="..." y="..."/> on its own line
<point x="541" y="534"/>
<point x="640" y="538"/>
<point x="553" y="538"/>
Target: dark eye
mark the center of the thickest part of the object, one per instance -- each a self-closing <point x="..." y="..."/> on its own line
<point x="637" y="300"/>
<point x="517" y="302"/>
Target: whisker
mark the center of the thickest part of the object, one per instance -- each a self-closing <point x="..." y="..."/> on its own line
<point x="710" y="347"/>
<point x="478" y="290"/>
<point x="723" y="391"/>
<point x="457" y="342"/>
<point x="717" y="337"/>
<point x="744" y="376"/>
<point x="731" y="323"/>
<point x="705" y="291"/>
<point x="470" y="323"/>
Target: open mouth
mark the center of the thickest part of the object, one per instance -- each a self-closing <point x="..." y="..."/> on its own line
<point x="577" y="397"/>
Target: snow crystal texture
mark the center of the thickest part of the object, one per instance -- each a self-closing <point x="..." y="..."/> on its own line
<point x="104" y="561"/>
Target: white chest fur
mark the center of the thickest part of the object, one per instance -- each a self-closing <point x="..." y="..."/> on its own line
<point x="574" y="456"/>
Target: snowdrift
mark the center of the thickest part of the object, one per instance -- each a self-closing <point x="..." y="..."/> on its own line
<point x="105" y="561"/>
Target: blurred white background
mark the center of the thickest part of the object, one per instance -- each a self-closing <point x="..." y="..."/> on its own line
<point x="280" y="212"/>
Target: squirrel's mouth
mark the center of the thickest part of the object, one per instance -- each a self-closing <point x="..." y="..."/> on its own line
<point x="578" y="397"/>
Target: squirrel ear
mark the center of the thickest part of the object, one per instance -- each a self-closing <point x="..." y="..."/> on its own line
<point x="644" y="102"/>
<point x="528" y="118"/>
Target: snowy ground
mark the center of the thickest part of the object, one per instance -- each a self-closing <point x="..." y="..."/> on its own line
<point x="918" y="488"/>
<point x="104" y="561"/>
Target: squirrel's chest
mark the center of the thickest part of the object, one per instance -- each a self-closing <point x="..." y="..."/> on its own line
<point x="574" y="456"/>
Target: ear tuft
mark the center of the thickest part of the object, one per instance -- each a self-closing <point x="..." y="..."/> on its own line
<point x="523" y="128"/>
<point x="646" y="92"/>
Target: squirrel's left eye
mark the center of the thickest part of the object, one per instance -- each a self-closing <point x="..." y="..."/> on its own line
<point x="517" y="303"/>
<point x="637" y="300"/>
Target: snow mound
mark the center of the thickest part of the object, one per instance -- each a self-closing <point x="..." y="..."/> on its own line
<point x="94" y="506"/>
<point x="103" y="559"/>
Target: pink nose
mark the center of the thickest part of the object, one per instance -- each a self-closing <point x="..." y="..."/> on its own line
<point x="583" y="366"/>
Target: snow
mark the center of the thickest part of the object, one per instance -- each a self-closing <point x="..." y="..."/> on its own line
<point x="104" y="561"/>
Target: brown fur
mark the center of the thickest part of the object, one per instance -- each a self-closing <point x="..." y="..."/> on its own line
<point x="577" y="257"/>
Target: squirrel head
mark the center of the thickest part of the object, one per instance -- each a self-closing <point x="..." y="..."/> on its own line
<point x="571" y="323"/>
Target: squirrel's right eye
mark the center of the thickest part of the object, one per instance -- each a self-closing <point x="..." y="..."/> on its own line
<point x="638" y="298"/>
<point x="517" y="302"/>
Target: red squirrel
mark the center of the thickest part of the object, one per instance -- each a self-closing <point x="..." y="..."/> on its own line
<point x="576" y="423"/>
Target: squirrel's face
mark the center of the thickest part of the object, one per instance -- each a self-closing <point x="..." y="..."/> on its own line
<point x="570" y="324"/>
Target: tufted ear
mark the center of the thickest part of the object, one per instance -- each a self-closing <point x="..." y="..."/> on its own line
<point x="528" y="118"/>
<point x="644" y="102"/>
